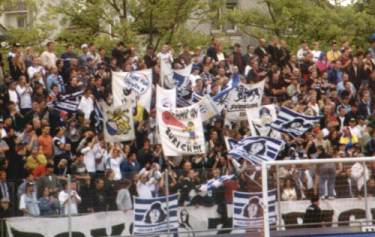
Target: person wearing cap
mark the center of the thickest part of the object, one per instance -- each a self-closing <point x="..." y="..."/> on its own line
<point x="334" y="53"/>
<point x="48" y="57"/>
<point x="28" y="201"/>
<point x="82" y="60"/>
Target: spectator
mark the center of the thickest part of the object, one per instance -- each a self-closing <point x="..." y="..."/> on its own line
<point x="69" y="206"/>
<point x="99" y="199"/>
<point x="48" y="204"/>
<point x="313" y="214"/>
<point x="289" y="192"/>
<point x="123" y="199"/>
<point x="28" y="201"/>
<point x="49" y="57"/>
<point x="327" y="175"/>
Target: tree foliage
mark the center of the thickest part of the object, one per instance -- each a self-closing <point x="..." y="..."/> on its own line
<point x="156" y="20"/>
<point x="312" y="20"/>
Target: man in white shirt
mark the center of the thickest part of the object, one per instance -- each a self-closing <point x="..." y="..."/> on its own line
<point x="13" y="96"/>
<point x="75" y="199"/>
<point x="24" y="92"/>
<point x="36" y="67"/>
<point x="48" y="57"/>
<point x="302" y="51"/>
<point x="89" y="155"/>
<point x="86" y="105"/>
<point x="28" y="201"/>
<point x="316" y="52"/>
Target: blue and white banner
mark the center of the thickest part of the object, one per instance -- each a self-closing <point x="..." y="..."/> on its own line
<point x="248" y="209"/>
<point x="133" y="86"/>
<point x="118" y="123"/>
<point x="257" y="149"/>
<point x="230" y="143"/>
<point x="67" y="102"/>
<point x="243" y="97"/>
<point x="260" y="118"/>
<point x="178" y="78"/>
<point x="215" y="182"/>
<point x="293" y="123"/>
<point x="150" y="215"/>
<point x="221" y="98"/>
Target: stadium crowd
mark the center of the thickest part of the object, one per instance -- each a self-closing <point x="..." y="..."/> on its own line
<point x="40" y="145"/>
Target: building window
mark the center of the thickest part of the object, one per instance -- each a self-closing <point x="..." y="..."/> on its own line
<point x="21" y="21"/>
<point x="229" y="6"/>
<point x="218" y="24"/>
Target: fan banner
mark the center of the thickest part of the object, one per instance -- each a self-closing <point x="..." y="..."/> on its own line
<point x="133" y="86"/>
<point x="118" y="123"/>
<point x="259" y="120"/>
<point x="181" y="130"/>
<point x="243" y="97"/>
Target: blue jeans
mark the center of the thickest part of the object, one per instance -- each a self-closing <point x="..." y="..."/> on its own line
<point x="327" y="176"/>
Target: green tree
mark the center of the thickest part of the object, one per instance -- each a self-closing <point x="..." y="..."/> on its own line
<point x="156" y="21"/>
<point x="304" y="20"/>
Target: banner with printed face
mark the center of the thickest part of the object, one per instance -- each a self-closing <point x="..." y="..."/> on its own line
<point x="259" y="120"/>
<point x="248" y="209"/>
<point x="293" y="123"/>
<point x="181" y="130"/>
<point x="243" y="97"/>
<point x="257" y="149"/>
<point x="150" y="215"/>
<point x="133" y="86"/>
<point x="166" y="98"/>
<point x="230" y="143"/>
<point x="118" y="123"/>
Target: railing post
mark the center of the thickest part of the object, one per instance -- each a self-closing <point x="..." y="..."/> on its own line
<point x="266" y="223"/>
<point x="278" y="196"/>
<point x="167" y="200"/>
<point x="366" y="193"/>
<point x="69" y="205"/>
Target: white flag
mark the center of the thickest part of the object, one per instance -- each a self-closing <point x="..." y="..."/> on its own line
<point x="118" y="123"/>
<point x="243" y="97"/>
<point x="165" y="98"/>
<point x="132" y="86"/>
<point x="207" y="107"/>
<point x="181" y="130"/>
<point x="259" y="120"/>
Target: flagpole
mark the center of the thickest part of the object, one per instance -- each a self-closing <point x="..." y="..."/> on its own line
<point x="266" y="223"/>
<point x="167" y="200"/>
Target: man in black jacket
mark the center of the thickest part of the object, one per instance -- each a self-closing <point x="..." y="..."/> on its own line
<point x="313" y="215"/>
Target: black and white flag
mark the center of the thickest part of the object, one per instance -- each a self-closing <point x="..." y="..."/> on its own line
<point x="68" y="102"/>
<point x="150" y="214"/>
<point x="257" y="149"/>
<point x="293" y="123"/>
<point x="248" y="209"/>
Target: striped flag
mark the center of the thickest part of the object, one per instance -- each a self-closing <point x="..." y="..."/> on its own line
<point x="257" y="149"/>
<point x="98" y="118"/>
<point x="221" y="98"/>
<point x="293" y="123"/>
<point x="67" y="102"/>
<point x="215" y="182"/>
<point x="150" y="214"/>
<point x="248" y="209"/>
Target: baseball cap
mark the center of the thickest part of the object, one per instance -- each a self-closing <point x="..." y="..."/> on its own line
<point x="84" y="46"/>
